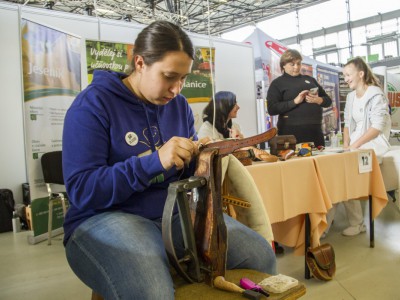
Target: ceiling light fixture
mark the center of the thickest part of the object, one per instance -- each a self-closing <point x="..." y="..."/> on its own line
<point x="49" y="4"/>
<point x="127" y="17"/>
<point x="88" y="10"/>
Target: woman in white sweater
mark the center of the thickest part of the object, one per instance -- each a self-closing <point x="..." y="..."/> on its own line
<point x="367" y="126"/>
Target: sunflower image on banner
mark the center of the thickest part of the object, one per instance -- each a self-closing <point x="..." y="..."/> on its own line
<point x="198" y="84"/>
<point x="108" y="56"/>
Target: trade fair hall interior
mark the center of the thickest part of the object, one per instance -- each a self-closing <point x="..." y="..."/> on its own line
<point x="260" y="134"/>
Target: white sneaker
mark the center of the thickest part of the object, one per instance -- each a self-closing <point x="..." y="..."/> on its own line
<point x="354" y="230"/>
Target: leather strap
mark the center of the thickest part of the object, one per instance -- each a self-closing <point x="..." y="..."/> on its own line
<point x="209" y="226"/>
<point x="228" y="146"/>
<point x="241" y="154"/>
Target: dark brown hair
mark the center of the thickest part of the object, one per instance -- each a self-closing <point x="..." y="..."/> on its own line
<point x="369" y="77"/>
<point x="290" y="55"/>
<point x="224" y="103"/>
<point x="158" y="38"/>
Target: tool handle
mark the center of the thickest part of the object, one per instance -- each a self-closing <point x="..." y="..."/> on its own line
<point x="221" y="283"/>
<point x="247" y="284"/>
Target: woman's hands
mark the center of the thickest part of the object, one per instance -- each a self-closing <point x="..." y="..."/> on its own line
<point x="179" y="152"/>
<point x="310" y="98"/>
<point x="301" y="96"/>
<point x="368" y="136"/>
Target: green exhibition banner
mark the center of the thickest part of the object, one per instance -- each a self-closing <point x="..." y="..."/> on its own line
<point x="52" y="78"/>
<point x="108" y="56"/>
<point x="199" y="84"/>
<point x="198" y="87"/>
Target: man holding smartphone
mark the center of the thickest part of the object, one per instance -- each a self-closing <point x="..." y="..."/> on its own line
<point x="298" y="100"/>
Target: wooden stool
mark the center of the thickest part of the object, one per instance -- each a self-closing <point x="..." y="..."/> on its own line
<point x="199" y="291"/>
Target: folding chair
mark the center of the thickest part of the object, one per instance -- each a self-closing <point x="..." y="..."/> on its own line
<point x="52" y="174"/>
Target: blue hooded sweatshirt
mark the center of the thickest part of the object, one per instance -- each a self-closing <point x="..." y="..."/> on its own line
<point x="110" y="160"/>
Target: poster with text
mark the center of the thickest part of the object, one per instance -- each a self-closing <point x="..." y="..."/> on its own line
<point x="198" y="88"/>
<point x="51" y="79"/>
<point x="329" y="80"/>
<point x="108" y="56"/>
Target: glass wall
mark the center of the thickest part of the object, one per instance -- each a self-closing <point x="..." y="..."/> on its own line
<point x="375" y="41"/>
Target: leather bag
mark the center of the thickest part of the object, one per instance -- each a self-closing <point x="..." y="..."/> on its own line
<point x="282" y="142"/>
<point x="321" y="261"/>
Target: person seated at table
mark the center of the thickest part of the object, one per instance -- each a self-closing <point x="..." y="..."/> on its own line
<point x="223" y="126"/>
<point x="367" y="126"/>
<point x="126" y="138"/>
<point x="226" y="108"/>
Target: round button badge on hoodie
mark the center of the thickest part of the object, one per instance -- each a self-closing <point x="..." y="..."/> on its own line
<point x="131" y="138"/>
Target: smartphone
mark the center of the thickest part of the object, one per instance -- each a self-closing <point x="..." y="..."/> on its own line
<point x="314" y="91"/>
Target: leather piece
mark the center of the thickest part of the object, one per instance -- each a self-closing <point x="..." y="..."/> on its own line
<point x="228" y="146"/>
<point x="286" y="154"/>
<point x="206" y="211"/>
<point x="282" y="142"/>
<point x="263" y="155"/>
<point x="321" y="261"/>
<point x="245" y="156"/>
<point x="209" y="225"/>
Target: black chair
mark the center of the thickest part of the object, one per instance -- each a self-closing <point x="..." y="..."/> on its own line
<point x="52" y="174"/>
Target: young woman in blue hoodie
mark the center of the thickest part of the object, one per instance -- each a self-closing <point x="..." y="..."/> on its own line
<point x="125" y="139"/>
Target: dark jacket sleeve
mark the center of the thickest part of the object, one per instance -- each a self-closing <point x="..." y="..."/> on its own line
<point x="275" y="103"/>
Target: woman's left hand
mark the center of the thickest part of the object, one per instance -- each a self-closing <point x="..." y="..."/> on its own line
<point x="313" y="99"/>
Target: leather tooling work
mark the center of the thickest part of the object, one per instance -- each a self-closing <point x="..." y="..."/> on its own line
<point x="201" y="213"/>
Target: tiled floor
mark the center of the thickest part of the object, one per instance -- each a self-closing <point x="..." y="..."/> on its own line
<point x="41" y="272"/>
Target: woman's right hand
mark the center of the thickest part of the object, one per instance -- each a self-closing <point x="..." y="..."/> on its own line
<point x="301" y="96"/>
<point x="177" y="152"/>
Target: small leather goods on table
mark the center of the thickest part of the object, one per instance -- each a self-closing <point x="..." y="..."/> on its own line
<point x="262" y="155"/>
<point x="286" y="154"/>
<point x="247" y="155"/>
<point x="321" y="262"/>
<point x="282" y="142"/>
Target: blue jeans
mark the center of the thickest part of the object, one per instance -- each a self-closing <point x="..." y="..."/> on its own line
<point x="122" y="256"/>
